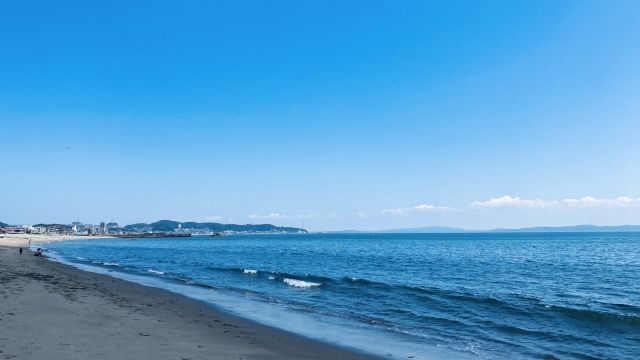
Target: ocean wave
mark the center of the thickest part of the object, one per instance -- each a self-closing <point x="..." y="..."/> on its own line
<point x="156" y="272"/>
<point x="196" y="283"/>
<point x="272" y="275"/>
<point x="232" y="269"/>
<point x="626" y="307"/>
<point x="353" y="279"/>
<point x="225" y="269"/>
<point x="305" y="277"/>
<point x="300" y="283"/>
<point x="431" y="294"/>
<point x="598" y="316"/>
<point x="106" y="263"/>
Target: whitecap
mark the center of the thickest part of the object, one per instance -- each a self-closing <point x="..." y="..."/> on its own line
<point x="250" y="271"/>
<point x="299" y="283"/>
<point x="271" y="277"/>
<point x="106" y="263"/>
<point x="155" y="272"/>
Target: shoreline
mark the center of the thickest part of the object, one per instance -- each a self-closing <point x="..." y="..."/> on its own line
<point x="22" y="240"/>
<point x="56" y="311"/>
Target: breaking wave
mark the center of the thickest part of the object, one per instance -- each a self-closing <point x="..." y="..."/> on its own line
<point x="300" y="283"/>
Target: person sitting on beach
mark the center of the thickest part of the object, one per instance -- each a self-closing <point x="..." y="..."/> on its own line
<point x="38" y="252"/>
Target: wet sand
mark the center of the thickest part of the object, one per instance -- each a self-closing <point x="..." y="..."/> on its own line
<point x="53" y="311"/>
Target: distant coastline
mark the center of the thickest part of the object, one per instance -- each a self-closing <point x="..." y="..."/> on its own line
<point x="536" y="229"/>
<point x="162" y="228"/>
<point x="170" y="228"/>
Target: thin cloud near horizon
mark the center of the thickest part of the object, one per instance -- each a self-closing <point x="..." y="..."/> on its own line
<point x="506" y="201"/>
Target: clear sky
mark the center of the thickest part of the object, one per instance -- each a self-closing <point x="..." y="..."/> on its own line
<point x="327" y="114"/>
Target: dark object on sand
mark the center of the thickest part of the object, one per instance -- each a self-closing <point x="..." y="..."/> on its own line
<point x="20" y="251"/>
<point x="38" y="252"/>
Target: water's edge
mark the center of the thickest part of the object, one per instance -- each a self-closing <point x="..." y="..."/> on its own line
<point x="479" y="296"/>
<point x="352" y="338"/>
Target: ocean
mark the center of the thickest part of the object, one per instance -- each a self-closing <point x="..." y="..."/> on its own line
<point x="435" y="296"/>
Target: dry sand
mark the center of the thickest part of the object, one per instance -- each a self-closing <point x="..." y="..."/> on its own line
<point x="23" y="239"/>
<point x="53" y="311"/>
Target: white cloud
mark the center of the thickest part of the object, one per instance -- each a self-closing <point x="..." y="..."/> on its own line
<point x="590" y="202"/>
<point x="311" y="216"/>
<point x="279" y="216"/>
<point x="508" y="201"/>
<point x="273" y="215"/>
<point x="504" y="202"/>
<point x="213" y="218"/>
<point x="422" y="208"/>
<point x="584" y="202"/>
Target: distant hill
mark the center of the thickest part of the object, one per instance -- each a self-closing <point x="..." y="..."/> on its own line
<point x="575" y="228"/>
<point x="428" y="229"/>
<point x="169" y="225"/>
<point x="417" y="230"/>
<point x="3" y="224"/>
<point x="62" y="227"/>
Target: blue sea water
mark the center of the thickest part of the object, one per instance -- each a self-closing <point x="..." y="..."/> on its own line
<point x="476" y="296"/>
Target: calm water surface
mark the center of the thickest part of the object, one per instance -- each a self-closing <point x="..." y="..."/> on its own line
<point x="485" y="296"/>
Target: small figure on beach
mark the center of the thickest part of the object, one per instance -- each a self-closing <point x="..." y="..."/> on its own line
<point x="20" y="251"/>
<point x="38" y="252"/>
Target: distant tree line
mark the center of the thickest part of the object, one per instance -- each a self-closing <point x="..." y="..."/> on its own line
<point x="169" y="225"/>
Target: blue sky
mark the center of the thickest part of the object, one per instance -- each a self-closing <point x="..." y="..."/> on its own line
<point x="331" y="115"/>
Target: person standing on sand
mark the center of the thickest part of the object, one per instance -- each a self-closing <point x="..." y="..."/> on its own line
<point x="20" y="251"/>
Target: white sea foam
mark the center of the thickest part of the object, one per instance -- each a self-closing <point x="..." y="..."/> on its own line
<point x="250" y="271"/>
<point x="299" y="283"/>
<point x="106" y="263"/>
<point x="155" y="272"/>
<point x="271" y="277"/>
<point x="80" y="258"/>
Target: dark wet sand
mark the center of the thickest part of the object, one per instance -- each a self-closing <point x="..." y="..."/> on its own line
<point x="53" y="311"/>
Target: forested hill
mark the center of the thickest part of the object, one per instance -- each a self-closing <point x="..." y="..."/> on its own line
<point x="169" y="225"/>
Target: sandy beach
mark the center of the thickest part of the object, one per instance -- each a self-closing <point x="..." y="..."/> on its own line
<point x="22" y="240"/>
<point x="50" y="310"/>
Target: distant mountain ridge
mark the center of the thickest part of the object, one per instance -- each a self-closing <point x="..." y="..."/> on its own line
<point x="450" y="230"/>
<point x="170" y="225"/>
<point x="428" y="229"/>
<point x="575" y="228"/>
